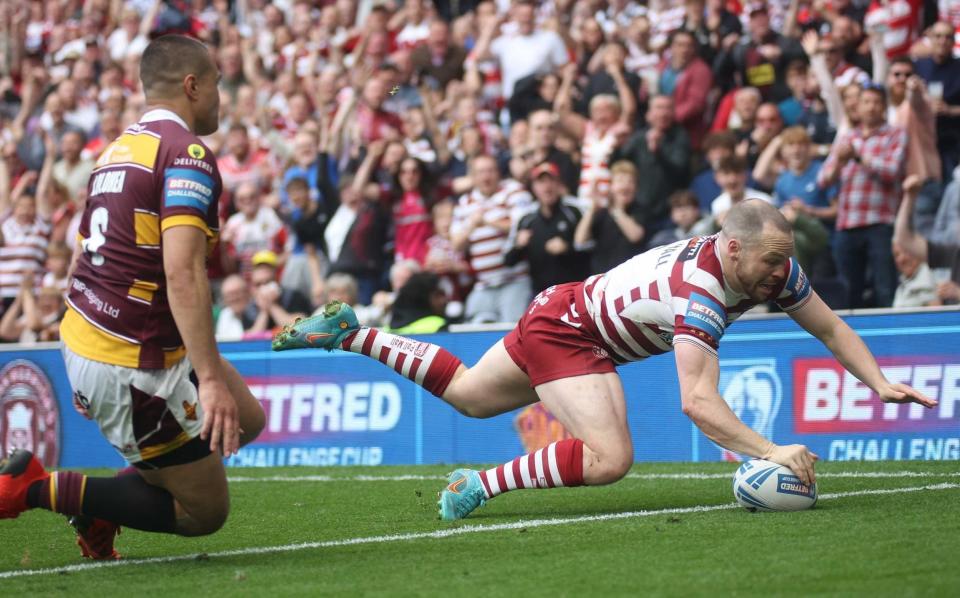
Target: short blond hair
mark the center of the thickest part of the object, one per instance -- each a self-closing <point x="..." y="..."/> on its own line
<point x="795" y="135"/>
<point x="624" y="167"/>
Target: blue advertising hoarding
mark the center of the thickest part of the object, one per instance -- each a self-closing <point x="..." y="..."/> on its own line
<point x="344" y="409"/>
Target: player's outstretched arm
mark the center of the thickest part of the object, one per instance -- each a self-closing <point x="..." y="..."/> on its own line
<point x="820" y="321"/>
<point x="699" y="374"/>
<point x="188" y="291"/>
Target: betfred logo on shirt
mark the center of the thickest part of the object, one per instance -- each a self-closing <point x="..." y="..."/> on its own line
<point x="827" y="398"/>
<point x="187" y="188"/>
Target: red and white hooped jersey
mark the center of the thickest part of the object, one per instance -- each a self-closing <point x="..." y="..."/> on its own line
<point x="670" y="294"/>
<point x="900" y="21"/>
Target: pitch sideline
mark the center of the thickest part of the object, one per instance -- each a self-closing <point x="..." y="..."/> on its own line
<point x="444" y="533"/>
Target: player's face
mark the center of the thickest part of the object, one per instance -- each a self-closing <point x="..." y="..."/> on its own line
<point x="761" y="268"/>
<point x="207" y="118"/>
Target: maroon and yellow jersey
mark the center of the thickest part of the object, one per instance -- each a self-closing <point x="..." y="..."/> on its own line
<point x="156" y="175"/>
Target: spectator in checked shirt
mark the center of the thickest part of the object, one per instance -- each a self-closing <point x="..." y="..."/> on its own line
<point x="868" y="161"/>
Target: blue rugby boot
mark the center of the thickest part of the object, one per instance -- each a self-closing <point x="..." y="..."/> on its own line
<point x="463" y="494"/>
<point x="325" y="330"/>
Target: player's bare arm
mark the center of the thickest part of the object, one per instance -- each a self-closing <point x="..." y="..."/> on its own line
<point x="188" y="290"/>
<point x="820" y="321"/>
<point x="699" y="374"/>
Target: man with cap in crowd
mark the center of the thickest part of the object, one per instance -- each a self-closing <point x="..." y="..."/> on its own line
<point x="544" y="235"/>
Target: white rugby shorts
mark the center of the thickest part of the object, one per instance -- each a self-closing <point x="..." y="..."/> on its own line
<point x="144" y="414"/>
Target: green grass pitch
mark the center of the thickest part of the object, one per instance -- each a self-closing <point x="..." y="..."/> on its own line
<point x="870" y="534"/>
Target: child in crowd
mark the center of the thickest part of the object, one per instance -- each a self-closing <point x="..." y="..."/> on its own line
<point x="57" y="267"/>
<point x="445" y="261"/>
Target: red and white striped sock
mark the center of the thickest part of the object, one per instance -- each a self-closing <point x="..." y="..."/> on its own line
<point x="430" y="366"/>
<point x="559" y="464"/>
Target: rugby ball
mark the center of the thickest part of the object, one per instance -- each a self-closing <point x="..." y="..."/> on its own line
<point x="761" y="485"/>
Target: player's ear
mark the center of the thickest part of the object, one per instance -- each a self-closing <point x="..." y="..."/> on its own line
<point x="190" y="85"/>
<point x="734" y="247"/>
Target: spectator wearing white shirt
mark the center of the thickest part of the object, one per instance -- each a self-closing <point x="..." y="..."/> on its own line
<point x="918" y="283"/>
<point x="732" y="177"/>
<point x="72" y="170"/>
<point x="131" y="37"/>
<point x="24" y="237"/>
<point x="525" y="52"/>
<point x="481" y="226"/>
<point x="237" y="311"/>
<point x="255" y="227"/>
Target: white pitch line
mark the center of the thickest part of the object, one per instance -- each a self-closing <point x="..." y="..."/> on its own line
<point x="328" y="478"/>
<point x="632" y="476"/>
<point x="827" y="474"/>
<point x="443" y="533"/>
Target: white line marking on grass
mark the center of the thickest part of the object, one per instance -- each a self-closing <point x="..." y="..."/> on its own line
<point x="632" y="476"/>
<point x="328" y="478"/>
<point x="442" y="533"/>
<point x="827" y="474"/>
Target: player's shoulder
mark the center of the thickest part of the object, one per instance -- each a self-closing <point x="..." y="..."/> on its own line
<point x="186" y="149"/>
<point x="796" y="286"/>
<point x="700" y="252"/>
<point x="180" y="147"/>
<point x="695" y="262"/>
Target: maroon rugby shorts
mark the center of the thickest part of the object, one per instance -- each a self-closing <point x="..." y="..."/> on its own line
<point x="550" y="343"/>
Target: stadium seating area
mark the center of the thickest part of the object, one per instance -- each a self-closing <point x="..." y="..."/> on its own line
<point x="372" y="151"/>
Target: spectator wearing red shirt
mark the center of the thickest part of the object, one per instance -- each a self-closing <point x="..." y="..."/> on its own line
<point x="688" y="79"/>
<point x="241" y="163"/>
<point x="374" y="121"/>
<point x="411" y="201"/>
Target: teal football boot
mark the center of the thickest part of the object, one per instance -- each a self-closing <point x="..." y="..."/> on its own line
<point x="325" y="330"/>
<point x="463" y="494"/>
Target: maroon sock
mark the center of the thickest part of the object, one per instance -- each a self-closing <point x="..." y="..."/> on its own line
<point x="62" y="492"/>
<point x="126" y="499"/>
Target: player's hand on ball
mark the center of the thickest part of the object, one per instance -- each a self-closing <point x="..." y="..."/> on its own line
<point x="901" y="393"/>
<point x="798" y="458"/>
<point x="220" y="420"/>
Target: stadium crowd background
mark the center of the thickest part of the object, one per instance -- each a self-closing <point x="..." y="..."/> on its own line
<point x="444" y="162"/>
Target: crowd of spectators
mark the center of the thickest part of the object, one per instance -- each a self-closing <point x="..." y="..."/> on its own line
<point x="442" y="161"/>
